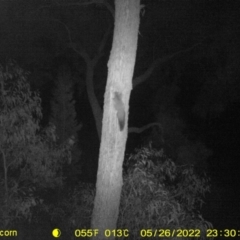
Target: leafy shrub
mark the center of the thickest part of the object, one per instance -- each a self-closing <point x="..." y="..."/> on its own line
<point x="28" y="160"/>
<point x="158" y="194"/>
<point x="71" y="211"/>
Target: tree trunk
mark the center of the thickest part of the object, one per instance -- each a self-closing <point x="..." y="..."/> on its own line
<point x="114" y="127"/>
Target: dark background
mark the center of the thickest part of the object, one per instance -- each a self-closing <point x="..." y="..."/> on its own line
<point x="194" y="94"/>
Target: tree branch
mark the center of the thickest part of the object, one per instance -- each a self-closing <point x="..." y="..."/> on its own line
<point x="157" y="62"/>
<point x="139" y="130"/>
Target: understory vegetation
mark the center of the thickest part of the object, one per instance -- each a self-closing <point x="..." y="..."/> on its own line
<point x="156" y="194"/>
<point x="36" y="195"/>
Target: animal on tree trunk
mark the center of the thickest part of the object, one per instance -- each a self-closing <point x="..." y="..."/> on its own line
<point x="119" y="107"/>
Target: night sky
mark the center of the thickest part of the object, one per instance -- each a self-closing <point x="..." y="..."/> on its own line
<point x="194" y="92"/>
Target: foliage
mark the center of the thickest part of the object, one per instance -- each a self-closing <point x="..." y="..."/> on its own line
<point x="79" y="204"/>
<point x="63" y="116"/>
<point x="63" y="106"/>
<point x="29" y="160"/>
<point x="156" y="194"/>
<point x="71" y="211"/>
<point x="178" y="140"/>
<point x="159" y="194"/>
<point x="18" y="204"/>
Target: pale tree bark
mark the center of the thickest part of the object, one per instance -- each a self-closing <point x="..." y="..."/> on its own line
<point x="91" y="62"/>
<point x="115" y="118"/>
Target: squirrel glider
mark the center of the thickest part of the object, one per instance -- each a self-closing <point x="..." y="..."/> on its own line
<point x="119" y="107"/>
